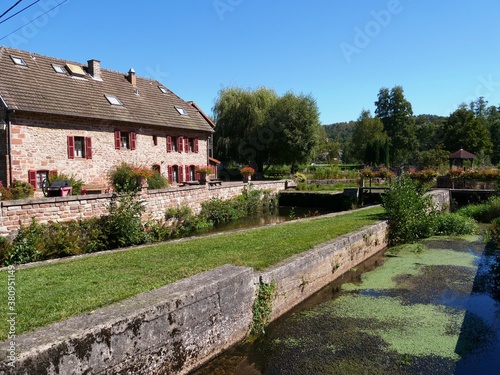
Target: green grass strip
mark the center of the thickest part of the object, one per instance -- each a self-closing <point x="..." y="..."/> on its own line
<point x="53" y="292"/>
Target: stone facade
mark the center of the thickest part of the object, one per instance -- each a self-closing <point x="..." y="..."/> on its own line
<point x="40" y="143"/>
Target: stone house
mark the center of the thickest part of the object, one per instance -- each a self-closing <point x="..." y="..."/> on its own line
<point x="81" y="120"/>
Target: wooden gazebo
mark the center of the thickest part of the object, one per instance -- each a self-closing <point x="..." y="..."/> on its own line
<point x="458" y="157"/>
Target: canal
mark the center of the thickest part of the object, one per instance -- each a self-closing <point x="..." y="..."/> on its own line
<point x="427" y="308"/>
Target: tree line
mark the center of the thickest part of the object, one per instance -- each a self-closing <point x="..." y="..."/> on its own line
<point x="395" y="136"/>
<point x="260" y="128"/>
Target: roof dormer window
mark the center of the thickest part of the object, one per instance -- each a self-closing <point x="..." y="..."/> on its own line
<point x="18" y="60"/>
<point x="75" y="70"/>
<point x="181" y="111"/>
<point x="59" y="68"/>
<point x="113" y="100"/>
<point x="163" y="89"/>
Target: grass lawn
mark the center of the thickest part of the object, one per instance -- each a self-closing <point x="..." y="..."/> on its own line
<point x="52" y="292"/>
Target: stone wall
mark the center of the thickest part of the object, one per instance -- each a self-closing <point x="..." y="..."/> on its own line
<point x="304" y="274"/>
<point x="17" y="213"/>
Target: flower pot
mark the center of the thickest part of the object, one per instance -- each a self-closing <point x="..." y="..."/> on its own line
<point x="247" y="178"/>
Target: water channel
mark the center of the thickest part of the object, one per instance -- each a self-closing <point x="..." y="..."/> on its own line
<point x="426" y="308"/>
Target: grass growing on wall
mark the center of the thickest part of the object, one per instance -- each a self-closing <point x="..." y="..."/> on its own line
<point x="53" y="292"/>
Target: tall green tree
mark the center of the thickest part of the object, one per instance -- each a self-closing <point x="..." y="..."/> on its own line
<point x="368" y="140"/>
<point x="397" y="116"/>
<point x="295" y="121"/>
<point x="464" y="130"/>
<point x="242" y="134"/>
<point x="260" y="128"/>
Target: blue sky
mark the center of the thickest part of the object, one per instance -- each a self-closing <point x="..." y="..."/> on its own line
<point x="341" y="52"/>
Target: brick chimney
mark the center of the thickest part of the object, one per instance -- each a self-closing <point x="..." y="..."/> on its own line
<point x="131" y="77"/>
<point x="94" y="69"/>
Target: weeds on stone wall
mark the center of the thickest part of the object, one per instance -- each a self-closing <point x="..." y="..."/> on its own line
<point x="262" y="308"/>
<point x="18" y="190"/>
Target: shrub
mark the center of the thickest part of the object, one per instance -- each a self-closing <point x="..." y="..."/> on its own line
<point x="26" y="247"/>
<point x="411" y="214"/>
<point x="18" y="190"/>
<point x="483" y="212"/>
<point x="454" y="224"/>
<point x="123" y="225"/>
<point x="183" y="222"/>
<point x="157" y="181"/>
<point x="123" y="178"/>
<point x="299" y="177"/>
<point x="218" y="211"/>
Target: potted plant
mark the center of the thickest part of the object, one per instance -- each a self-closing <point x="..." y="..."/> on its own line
<point x="247" y="173"/>
<point x="142" y="174"/>
<point x="203" y="172"/>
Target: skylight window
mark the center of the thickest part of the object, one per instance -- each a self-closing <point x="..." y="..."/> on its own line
<point x="181" y="111"/>
<point x="163" y="89"/>
<point x="113" y="100"/>
<point x="76" y="70"/>
<point x="18" y="60"/>
<point x="59" y="69"/>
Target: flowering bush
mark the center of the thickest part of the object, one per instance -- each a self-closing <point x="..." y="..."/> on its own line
<point x="366" y="172"/>
<point x="247" y="171"/>
<point x="425" y="175"/>
<point x="206" y="169"/>
<point x="142" y="172"/>
<point x="383" y="173"/>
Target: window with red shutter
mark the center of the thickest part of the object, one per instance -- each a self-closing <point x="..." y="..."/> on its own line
<point x="117" y="139"/>
<point x="181" y="174"/>
<point x="71" y="147"/>
<point x="197" y="174"/>
<point x="88" y="147"/>
<point x="169" y="143"/>
<point x="170" y="174"/>
<point x="186" y="145"/>
<point x="133" y="140"/>
<point x="180" y="144"/>
<point x="32" y="178"/>
<point x="188" y="176"/>
<point x="196" y="145"/>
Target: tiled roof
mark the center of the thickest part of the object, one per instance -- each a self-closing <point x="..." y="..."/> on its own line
<point x="462" y="154"/>
<point x="37" y="87"/>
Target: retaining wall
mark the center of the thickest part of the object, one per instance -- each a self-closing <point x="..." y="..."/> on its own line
<point x="17" y="213"/>
<point x="178" y="327"/>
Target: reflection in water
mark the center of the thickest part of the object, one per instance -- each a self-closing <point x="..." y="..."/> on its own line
<point x="430" y="309"/>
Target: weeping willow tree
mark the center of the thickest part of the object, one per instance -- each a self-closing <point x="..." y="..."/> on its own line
<point x="260" y="128"/>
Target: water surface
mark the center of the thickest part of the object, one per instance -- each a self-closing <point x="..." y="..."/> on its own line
<point x="426" y="308"/>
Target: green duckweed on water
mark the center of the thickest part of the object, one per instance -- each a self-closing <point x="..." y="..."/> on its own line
<point x="406" y="317"/>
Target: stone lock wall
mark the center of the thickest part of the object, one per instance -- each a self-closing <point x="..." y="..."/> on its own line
<point x="17" y="213"/>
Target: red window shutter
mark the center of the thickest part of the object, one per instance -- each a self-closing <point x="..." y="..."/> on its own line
<point x="170" y="174"/>
<point x="197" y="174"/>
<point x="180" y="144"/>
<point x="71" y="147"/>
<point x="133" y="140"/>
<point x="196" y="145"/>
<point x="32" y="178"/>
<point x="188" y="175"/>
<point x="181" y="174"/>
<point x="88" y="147"/>
<point x="117" y="140"/>
<point x="186" y="144"/>
<point x="169" y="143"/>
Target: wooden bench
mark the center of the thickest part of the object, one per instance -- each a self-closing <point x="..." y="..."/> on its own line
<point x="213" y="180"/>
<point x="94" y="189"/>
